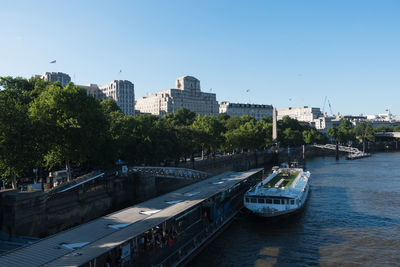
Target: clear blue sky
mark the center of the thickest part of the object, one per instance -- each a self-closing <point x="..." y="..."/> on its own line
<point x="288" y="53"/>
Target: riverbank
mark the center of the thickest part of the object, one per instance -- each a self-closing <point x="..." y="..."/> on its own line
<point x="254" y="159"/>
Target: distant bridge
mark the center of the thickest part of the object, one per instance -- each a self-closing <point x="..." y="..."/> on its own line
<point x="171" y="172"/>
<point x="388" y="134"/>
<point x="347" y="149"/>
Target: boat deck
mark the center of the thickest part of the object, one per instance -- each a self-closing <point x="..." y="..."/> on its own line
<point x="283" y="179"/>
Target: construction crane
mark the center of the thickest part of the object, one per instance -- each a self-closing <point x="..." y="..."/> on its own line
<point x="330" y="108"/>
<point x="323" y="108"/>
<point x="329" y="104"/>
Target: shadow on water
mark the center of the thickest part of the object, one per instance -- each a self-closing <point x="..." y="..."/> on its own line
<point x="335" y="216"/>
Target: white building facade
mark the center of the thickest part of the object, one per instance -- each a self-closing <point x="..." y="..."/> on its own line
<point x="61" y="77"/>
<point x="122" y="91"/>
<point x="324" y="123"/>
<point x="254" y="110"/>
<point x="93" y="90"/>
<point x="303" y="113"/>
<point x="187" y="94"/>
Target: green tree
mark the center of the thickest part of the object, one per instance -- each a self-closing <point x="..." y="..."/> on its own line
<point x="290" y="132"/>
<point x="121" y="142"/>
<point x="234" y="139"/>
<point x="231" y="123"/>
<point x="311" y="136"/>
<point x="208" y="132"/>
<point x="17" y="137"/>
<point x="346" y="130"/>
<point x="334" y="133"/>
<point x="75" y="125"/>
<point x="288" y="122"/>
<point x="291" y="137"/>
<point x="365" y="132"/>
<point x="182" y="117"/>
<point x="266" y="128"/>
<point x="253" y="134"/>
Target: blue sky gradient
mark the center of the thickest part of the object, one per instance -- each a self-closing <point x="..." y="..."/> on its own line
<point x="288" y="53"/>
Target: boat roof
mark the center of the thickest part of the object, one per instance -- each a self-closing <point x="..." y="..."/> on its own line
<point x="96" y="237"/>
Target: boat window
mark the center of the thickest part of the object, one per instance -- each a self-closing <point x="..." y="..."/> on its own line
<point x="292" y="201"/>
<point x="283" y="201"/>
<point x="253" y="200"/>
<point x="247" y="200"/>
<point x="261" y="200"/>
<point x="268" y="200"/>
<point x="277" y="201"/>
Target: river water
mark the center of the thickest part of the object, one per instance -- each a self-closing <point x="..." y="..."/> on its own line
<point x="352" y="218"/>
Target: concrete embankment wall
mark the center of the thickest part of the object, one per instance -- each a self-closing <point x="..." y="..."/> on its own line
<point x="248" y="160"/>
<point x="40" y="214"/>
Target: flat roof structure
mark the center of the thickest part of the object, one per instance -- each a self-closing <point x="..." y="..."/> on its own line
<point x="81" y="244"/>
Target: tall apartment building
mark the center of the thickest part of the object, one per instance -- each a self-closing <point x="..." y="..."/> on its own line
<point x="254" y="110"/>
<point x="63" y="78"/>
<point x="186" y="94"/>
<point x="303" y="113"/>
<point x="123" y="92"/>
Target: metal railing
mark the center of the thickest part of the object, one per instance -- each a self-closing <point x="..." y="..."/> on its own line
<point x="171" y="172"/>
<point x="341" y="148"/>
<point x="197" y="241"/>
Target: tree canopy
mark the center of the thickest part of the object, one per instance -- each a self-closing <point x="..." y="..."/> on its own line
<point x="72" y="122"/>
<point x="44" y="125"/>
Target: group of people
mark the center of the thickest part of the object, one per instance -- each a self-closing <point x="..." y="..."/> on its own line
<point x="158" y="238"/>
<point x="286" y="173"/>
<point x="57" y="182"/>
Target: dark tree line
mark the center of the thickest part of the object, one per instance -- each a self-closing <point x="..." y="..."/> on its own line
<point x="46" y="126"/>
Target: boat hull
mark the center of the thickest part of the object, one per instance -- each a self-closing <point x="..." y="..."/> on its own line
<point x="283" y="214"/>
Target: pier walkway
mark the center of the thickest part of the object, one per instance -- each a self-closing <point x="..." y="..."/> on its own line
<point x="341" y="148"/>
<point x="354" y="153"/>
<point x="163" y="231"/>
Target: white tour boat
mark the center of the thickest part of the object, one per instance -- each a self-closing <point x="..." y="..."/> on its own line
<point x="283" y="192"/>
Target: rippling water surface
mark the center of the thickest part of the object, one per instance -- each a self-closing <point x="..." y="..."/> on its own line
<point x="352" y="218"/>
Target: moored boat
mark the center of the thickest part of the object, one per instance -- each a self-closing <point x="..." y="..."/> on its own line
<point x="283" y="192"/>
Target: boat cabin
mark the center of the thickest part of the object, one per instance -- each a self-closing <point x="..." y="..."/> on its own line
<point x="270" y="200"/>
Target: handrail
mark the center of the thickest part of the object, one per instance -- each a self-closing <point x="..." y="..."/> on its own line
<point x="341" y="148"/>
<point x="172" y="172"/>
